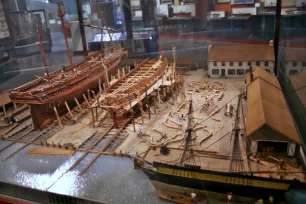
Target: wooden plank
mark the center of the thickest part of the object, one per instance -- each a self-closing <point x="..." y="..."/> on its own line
<point x="49" y="151"/>
<point x="92" y="146"/>
<point x="117" y="134"/>
<point x="7" y="146"/>
<point x="25" y="145"/>
<point x="89" y="164"/>
<point x="98" y="154"/>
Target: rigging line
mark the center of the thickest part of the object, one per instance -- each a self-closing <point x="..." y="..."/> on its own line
<point x="245" y="136"/>
<point x="210" y="145"/>
<point x="201" y="122"/>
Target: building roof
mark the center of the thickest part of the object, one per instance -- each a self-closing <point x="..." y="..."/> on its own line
<point x="298" y="82"/>
<point x="264" y="75"/>
<point x="266" y="106"/>
<point x="295" y="54"/>
<point x="5" y="99"/>
<point x="241" y="53"/>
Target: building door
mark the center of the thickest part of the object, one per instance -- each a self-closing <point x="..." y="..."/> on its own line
<point x="222" y="72"/>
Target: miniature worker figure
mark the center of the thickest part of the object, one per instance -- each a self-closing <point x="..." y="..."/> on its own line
<point x="229" y="198"/>
<point x="193" y="197"/>
<point x="271" y="200"/>
<point x="139" y="134"/>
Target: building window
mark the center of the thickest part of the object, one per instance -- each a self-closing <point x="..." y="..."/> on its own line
<point x="231" y="64"/>
<point x="258" y="63"/>
<point x="240" y="71"/>
<point x="294" y="64"/>
<point x="240" y="64"/>
<point x="303" y="64"/>
<point x="223" y="64"/>
<point x="291" y="72"/>
<point x="266" y="64"/>
<point x="215" y="64"/>
<point x="249" y="64"/>
<point x="231" y="71"/>
<point x="268" y="70"/>
<point x="215" y="72"/>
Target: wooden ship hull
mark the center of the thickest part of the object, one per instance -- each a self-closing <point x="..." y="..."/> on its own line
<point x="64" y="86"/>
<point x="220" y="182"/>
<point x="125" y="93"/>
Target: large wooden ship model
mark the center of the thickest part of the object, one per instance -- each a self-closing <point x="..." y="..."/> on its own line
<point x="66" y="85"/>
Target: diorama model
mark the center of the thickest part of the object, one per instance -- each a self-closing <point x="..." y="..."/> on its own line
<point x="235" y="60"/>
<point x="66" y="85"/>
<point x="190" y="134"/>
<point x="264" y="159"/>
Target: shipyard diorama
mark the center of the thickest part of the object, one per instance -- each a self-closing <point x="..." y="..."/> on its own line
<point x="197" y="135"/>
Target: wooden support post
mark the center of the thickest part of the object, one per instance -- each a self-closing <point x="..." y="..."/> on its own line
<point x="104" y="87"/>
<point x="100" y="88"/>
<point x="172" y="91"/>
<point x="166" y="96"/>
<point x="57" y="116"/>
<point x="88" y="95"/>
<point x="123" y="72"/>
<point x="114" y="118"/>
<point x="132" y="112"/>
<point x="154" y="107"/>
<point x="86" y="100"/>
<point x="93" y="118"/>
<point x="70" y="113"/>
<point x="158" y="95"/>
<point x="98" y="102"/>
<point x="93" y="93"/>
<point x="141" y="107"/>
<point x="106" y="74"/>
<point x="97" y="116"/>
<point x="15" y="106"/>
<point x="147" y="101"/>
<point x="4" y="110"/>
<point x="77" y="102"/>
<point x="118" y="74"/>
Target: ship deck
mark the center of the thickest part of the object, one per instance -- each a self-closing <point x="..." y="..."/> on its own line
<point x="58" y="77"/>
<point x="140" y="81"/>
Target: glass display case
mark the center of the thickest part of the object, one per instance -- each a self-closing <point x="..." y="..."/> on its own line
<point x="153" y="101"/>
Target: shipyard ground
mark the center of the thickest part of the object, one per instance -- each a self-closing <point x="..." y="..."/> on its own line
<point x="110" y="174"/>
<point x="99" y="171"/>
<point x="220" y="126"/>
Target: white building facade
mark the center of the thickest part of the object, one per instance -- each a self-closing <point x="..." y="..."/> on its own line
<point x="236" y="69"/>
<point x="236" y="60"/>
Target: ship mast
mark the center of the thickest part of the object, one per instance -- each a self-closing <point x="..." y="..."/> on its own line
<point x="42" y="52"/>
<point x="103" y="24"/>
<point x="61" y="15"/>
<point x="189" y="131"/>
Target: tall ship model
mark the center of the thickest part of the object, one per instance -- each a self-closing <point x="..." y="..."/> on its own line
<point x="66" y="84"/>
<point x="257" y="172"/>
